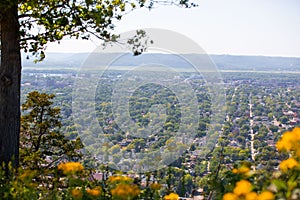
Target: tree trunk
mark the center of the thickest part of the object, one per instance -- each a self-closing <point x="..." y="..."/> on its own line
<point x="10" y="80"/>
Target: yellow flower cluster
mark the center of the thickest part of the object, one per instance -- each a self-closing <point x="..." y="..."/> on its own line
<point x="266" y="195"/>
<point x="117" y="179"/>
<point x="290" y="141"/>
<point x="125" y="191"/>
<point x="94" y="192"/>
<point x="243" y="191"/>
<point x="171" y="196"/>
<point x="76" y="193"/>
<point x="155" y="186"/>
<point x="242" y="187"/>
<point x="70" y="167"/>
<point x="243" y="170"/>
<point x="290" y="163"/>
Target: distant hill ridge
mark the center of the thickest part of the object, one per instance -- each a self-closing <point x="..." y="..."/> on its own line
<point x="223" y="62"/>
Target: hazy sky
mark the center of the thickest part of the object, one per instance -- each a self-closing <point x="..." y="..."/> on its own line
<point x="239" y="27"/>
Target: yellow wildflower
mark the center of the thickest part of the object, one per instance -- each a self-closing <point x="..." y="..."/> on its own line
<point x="171" y="196"/>
<point x="76" y="193"/>
<point x="114" y="179"/>
<point x="244" y="170"/>
<point x="289" y="141"/>
<point x="125" y="191"/>
<point x="266" y="195"/>
<point x="242" y="187"/>
<point x="94" y="192"/>
<point x="288" y="164"/>
<point x="297" y="154"/>
<point x="251" y="196"/>
<point x="286" y="142"/>
<point x="230" y="196"/>
<point x="155" y="186"/>
<point x="70" y="167"/>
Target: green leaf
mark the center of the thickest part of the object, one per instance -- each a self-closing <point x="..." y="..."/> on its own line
<point x="280" y="185"/>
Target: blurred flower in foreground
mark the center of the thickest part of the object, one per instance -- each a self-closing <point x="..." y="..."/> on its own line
<point x="76" y="193"/>
<point x="119" y="178"/>
<point x="243" y="191"/>
<point x="155" y="186"/>
<point x="70" y="167"/>
<point x="252" y="196"/>
<point x="266" y="195"/>
<point x="230" y="196"/>
<point x="94" y="192"/>
<point x="290" y="163"/>
<point x="290" y="141"/>
<point x="243" y="170"/>
<point x="284" y="185"/>
<point x="125" y="191"/>
<point x="171" y="196"/>
<point x="242" y="187"/>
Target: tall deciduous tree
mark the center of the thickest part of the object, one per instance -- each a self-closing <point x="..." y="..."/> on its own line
<point x="30" y="25"/>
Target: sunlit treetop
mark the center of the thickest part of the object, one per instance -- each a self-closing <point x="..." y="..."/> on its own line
<point x="42" y="21"/>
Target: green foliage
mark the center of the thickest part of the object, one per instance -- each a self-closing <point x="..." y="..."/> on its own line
<point x="43" y="21"/>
